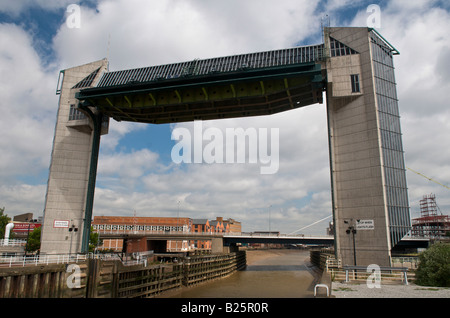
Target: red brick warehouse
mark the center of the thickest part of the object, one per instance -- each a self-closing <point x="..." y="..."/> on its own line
<point x="160" y="224"/>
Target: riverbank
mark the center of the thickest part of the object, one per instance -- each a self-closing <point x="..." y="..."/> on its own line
<point x="349" y="290"/>
<point x="352" y="290"/>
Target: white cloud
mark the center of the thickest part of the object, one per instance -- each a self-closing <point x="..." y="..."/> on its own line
<point x="144" y="33"/>
<point x="28" y="105"/>
<point x="23" y="198"/>
<point x="127" y="168"/>
<point x="117" y="130"/>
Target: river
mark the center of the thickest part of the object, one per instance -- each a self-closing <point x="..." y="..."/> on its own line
<point x="284" y="273"/>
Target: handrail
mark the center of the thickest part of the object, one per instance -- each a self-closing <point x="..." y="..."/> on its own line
<point x="30" y="260"/>
<point x="403" y="270"/>
<point x="12" y="242"/>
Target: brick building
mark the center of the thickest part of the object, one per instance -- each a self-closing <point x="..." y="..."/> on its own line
<point x="233" y="225"/>
<point x="103" y="224"/>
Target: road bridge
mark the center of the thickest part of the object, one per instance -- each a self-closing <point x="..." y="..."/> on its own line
<point x="227" y="237"/>
<point x="278" y="239"/>
<point x="247" y="238"/>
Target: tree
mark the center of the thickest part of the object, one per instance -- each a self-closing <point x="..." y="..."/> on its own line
<point x="94" y="241"/>
<point x="34" y="240"/>
<point x="434" y="266"/>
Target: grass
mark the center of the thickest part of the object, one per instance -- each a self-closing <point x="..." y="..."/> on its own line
<point x="434" y="289"/>
<point x="343" y="289"/>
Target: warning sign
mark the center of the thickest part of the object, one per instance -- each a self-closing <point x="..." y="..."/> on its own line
<point x="365" y="225"/>
<point x="60" y="223"/>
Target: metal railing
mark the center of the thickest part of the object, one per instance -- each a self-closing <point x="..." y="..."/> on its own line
<point x="35" y="260"/>
<point x="25" y="260"/>
<point x="281" y="235"/>
<point x="241" y="62"/>
<point x="411" y="262"/>
<point x="363" y="271"/>
<point x="12" y="242"/>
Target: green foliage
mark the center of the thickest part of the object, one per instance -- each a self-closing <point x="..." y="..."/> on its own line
<point x="434" y="266"/>
<point x="94" y="241"/>
<point x="34" y="240"/>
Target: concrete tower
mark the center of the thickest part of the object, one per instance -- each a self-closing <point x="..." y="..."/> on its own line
<point x="370" y="200"/>
<point x="68" y="183"/>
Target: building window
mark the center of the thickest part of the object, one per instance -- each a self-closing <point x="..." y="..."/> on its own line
<point x="340" y="49"/>
<point x="75" y="114"/>
<point x="355" y="83"/>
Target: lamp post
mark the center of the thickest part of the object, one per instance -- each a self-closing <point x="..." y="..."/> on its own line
<point x="28" y="236"/>
<point x="72" y="229"/>
<point x="352" y="229"/>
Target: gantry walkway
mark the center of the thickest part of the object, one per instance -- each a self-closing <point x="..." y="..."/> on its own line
<point x="243" y="85"/>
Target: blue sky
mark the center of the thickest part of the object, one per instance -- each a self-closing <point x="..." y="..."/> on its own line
<point x="136" y="173"/>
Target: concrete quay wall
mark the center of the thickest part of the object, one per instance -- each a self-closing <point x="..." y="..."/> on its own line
<point x="96" y="278"/>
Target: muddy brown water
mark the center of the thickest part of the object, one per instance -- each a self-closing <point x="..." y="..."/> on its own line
<point x="269" y="274"/>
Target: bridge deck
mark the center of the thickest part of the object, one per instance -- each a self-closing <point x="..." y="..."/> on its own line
<point x="230" y="238"/>
<point x="235" y="86"/>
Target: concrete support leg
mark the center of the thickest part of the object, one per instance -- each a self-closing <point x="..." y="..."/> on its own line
<point x="217" y="245"/>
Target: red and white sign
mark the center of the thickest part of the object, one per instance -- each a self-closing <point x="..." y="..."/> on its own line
<point x="23" y="227"/>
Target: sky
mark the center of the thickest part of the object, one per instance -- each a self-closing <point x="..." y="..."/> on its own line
<point x="136" y="175"/>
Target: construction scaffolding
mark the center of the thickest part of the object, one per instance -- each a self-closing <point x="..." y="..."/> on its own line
<point x="431" y="224"/>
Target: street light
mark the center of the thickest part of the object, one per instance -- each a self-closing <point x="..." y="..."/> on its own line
<point x="28" y="236"/>
<point x="72" y="229"/>
<point x="352" y="229"/>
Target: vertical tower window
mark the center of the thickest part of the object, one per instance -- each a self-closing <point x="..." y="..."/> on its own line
<point x="355" y="83"/>
<point x="75" y="114"/>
